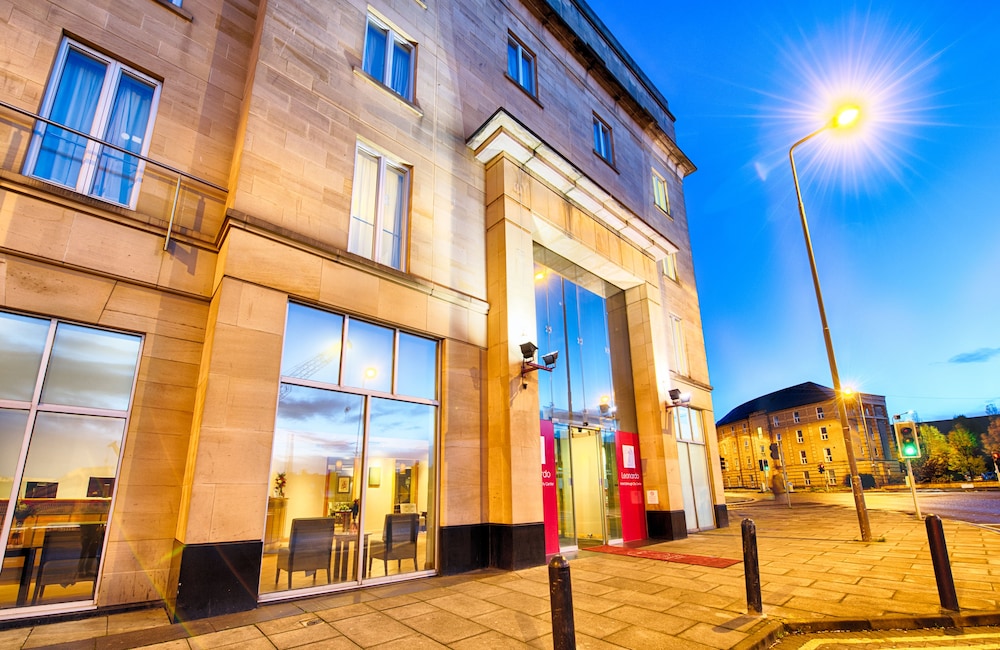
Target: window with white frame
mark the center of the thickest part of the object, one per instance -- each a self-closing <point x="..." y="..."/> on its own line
<point x="115" y="105"/>
<point x="521" y="66"/>
<point x="819" y="413"/>
<point x="802" y="457"/>
<point x="799" y="437"/>
<point x="805" y="477"/>
<point x="379" y="208"/>
<point x="680" y="347"/>
<point x="828" y="454"/>
<point x="66" y="394"/>
<point x="746" y="443"/>
<point x="774" y="420"/>
<point x="688" y="424"/>
<point x="831" y="477"/>
<point x="668" y="266"/>
<point x="389" y="58"/>
<point x="744" y="427"/>
<point x="661" y="198"/>
<point x="749" y="464"/>
<point x="795" y="417"/>
<point x="603" y="143"/>
<point x="779" y="437"/>
<point x="823" y="434"/>
<point x="763" y="450"/>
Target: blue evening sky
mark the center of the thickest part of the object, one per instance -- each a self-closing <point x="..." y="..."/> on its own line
<point x="903" y="217"/>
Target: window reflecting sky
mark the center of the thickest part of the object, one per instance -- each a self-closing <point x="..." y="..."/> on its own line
<point x="21" y="347"/>
<point x="90" y="367"/>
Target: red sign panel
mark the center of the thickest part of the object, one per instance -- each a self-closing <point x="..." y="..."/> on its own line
<point x="630" y="486"/>
<point x="550" y="502"/>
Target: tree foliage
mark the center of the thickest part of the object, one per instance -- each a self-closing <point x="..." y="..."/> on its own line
<point x="991" y="439"/>
<point x="933" y="465"/>
<point x="964" y="452"/>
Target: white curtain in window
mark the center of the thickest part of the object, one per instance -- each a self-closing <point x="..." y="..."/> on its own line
<point x="362" y="231"/>
<point x="393" y="209"/>
<point x="126" y="128"/>
<point x="75" y="103"/>
<point x="401" y="69"/>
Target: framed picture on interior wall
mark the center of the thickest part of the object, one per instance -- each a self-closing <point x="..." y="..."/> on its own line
<point x="343" y="484"/>
<point x="374" y="476"/>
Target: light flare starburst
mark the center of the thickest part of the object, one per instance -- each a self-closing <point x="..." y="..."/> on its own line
<point x="881" y="67"/>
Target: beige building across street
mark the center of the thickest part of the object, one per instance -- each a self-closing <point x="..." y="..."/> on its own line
<point x="804" y="423"/>
<point x="298" y="297"/>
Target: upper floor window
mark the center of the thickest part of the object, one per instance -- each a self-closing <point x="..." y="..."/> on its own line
<point x="823" y="435"/>
<point x="389" y="58"/>
<point x="680" y="347"/>
<point x="798" y="436"/>
<point x="603" y="145"/>
<point x="819" y="413"/>
<point x="379" y="208"/>
<point x="521" y="66"/>
<point x="828" y="453"/>
<point x="795" y="417"/>
<point x="774" y="420"/>
<point x="97" y="95"/>
<point x="669" y="266"/>
<point x="660" y="196"/>
<point x="803" y="459"/>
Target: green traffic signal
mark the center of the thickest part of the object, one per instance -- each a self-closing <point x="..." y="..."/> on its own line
<point x="909" y="447"/>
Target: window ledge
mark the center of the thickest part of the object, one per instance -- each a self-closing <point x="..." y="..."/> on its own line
<point x="180" y="11"/>
<point x="606" y="162"/>
<point x="524" y="90"/>
<point x="378" y="84"/>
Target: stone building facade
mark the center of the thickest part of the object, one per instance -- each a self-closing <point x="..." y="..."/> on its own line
<point x="803" y="421"/>
<point x="267" y="269"/>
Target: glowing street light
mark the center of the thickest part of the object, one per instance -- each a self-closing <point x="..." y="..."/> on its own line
<point x="844" y="118"/>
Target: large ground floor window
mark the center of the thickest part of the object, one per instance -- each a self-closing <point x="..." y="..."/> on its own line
<point x="65" y="393"/>
<point x="353" y="472"/>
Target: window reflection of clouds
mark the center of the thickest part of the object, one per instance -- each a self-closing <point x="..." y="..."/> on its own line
<point x="72" y="448"/>
<point x="311" y="334"/>
<point x="90" y="367"/>
<point x="401" y="429"/>
<point x="368" y="347"/>
<point x="322" y="422"/>
<point x="21" y="347"/>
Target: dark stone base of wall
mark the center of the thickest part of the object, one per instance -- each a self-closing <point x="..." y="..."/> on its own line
<point x="215" y="579"/>
<point x="721" y="515"/>
<point x="501" y="546"/>
<point x="666" y="524"/>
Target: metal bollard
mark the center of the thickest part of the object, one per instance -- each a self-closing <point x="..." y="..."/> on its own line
<point x="751" y="570"/>
<point x="942" y="567"/>
<point x="561" y="599"/>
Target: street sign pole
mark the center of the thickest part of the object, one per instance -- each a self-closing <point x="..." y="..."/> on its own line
<point x="913" y="487"/>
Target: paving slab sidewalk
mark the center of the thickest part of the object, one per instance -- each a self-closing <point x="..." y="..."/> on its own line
<point x="815" y="575"/>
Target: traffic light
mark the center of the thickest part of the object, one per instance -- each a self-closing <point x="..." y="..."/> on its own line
<point x="907" y="440"/>
<point x="821" y="468"/>
<point x="774" y="451"/>
<point x="762" y="464"/>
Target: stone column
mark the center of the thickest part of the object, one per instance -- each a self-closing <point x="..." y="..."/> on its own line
<point x="512" y="473"/>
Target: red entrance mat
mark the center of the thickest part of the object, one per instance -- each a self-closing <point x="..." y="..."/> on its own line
<point x="700" y="560"/>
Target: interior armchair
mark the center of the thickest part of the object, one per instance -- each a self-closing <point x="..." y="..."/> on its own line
<point x="69" y="555"/>
<point x="399" y="542"/>
<point x="310" y="548"/>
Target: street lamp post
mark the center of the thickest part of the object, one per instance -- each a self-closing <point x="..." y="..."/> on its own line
<point x="845" y="118"/>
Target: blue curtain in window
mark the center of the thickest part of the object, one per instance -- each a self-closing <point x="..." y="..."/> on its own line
<point x="60" y="155"/>
<point x="374" y="63"/>
<point x="116" y="171"/>
<point x="401" y="70"/>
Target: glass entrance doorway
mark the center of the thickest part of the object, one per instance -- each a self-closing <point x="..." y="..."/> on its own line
<point x="587" y="487"/>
